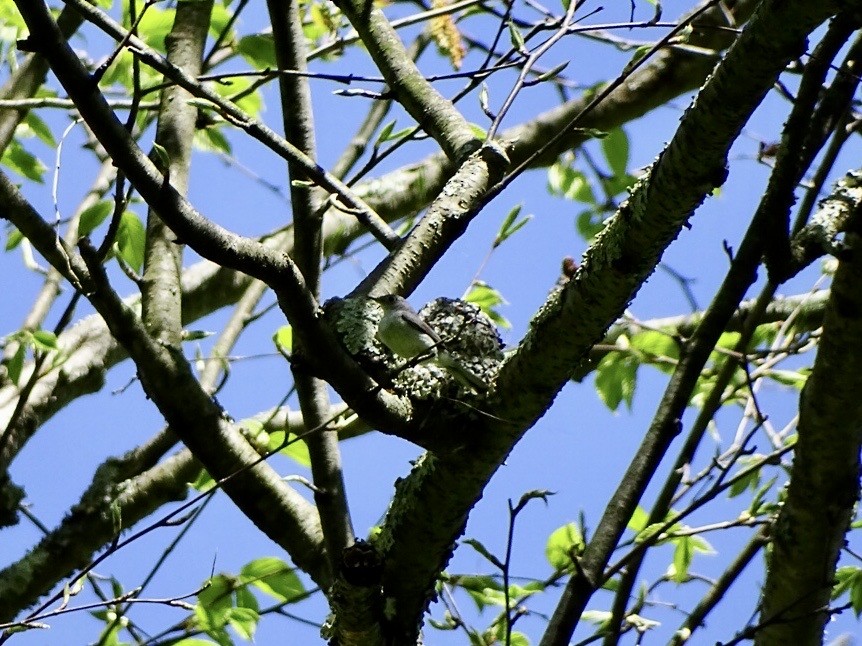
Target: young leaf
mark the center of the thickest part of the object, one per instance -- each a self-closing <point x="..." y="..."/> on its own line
<point x="477" y="545"/>
<point x="638" y="520"/>
<point x="565" y="181"/>
<point x="23" y="163"/>
<point x="616" y="379"/>
<point x="93" y="216"/>
<point x="616" y="149"/>
<point x="130" y="240"/>
<point x="510" y="226"/>
<point x="283" y="339"/>
<point x="44" y="341"/>
<point x="564" y="544"/>
<point x="274" y="577"/>
<point x="487" y="299"/>
<point x="517" y="39"/>
<point x="385" y="131"/>
<point x="39" y="128"/>
<point x="16" y="364"/>
<point x="13" y="238"/>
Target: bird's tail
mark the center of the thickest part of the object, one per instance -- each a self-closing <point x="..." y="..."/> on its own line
<point x="461" y="372"/>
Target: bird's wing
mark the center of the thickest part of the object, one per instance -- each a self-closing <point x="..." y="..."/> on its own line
<point x="417" y="323"/>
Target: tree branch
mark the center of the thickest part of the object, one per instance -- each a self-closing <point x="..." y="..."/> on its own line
<point x="161" y="296"/>
<point x="824" y="484"/>
<point x="298" y="119"/>
<point x="435" y="114"/>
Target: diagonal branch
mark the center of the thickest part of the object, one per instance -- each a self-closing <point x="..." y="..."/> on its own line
<point x="577" y="315"/>
<point x="236" y="116"/>
<point x="824" y="484"/>
<point x="209" y="239"/>
<point x="426" y="105"/>
<point x="279" y="511"/>
<point x="297" y="115"/>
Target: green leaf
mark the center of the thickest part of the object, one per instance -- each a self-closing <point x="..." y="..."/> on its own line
<point x="213" y="138"/>
<point x="131" y="236"/>
<point x="274" y="577"/>
<point x="162" y="156"/>
<point x="638" y="520"/>
<point x="250" y="102"/>
<point x="516" y="38"/>
<point x="93" y="216"/>
<point x="749" y="481"/>
<point x="23" y="163"/>
<point x="44" y="341"/>
<point x="283" y="339"/>
<point x="244" y="621"/>
<point x="478" y="131"/>
<point x="657" y="348"/>
<point x="591" y="221"/>
<point x="686" y="547"/>
<point x="649" y="532"/>
<point x="551" y="73"/>
<point x="477" y="545"/>
<point x="616" y="379"/>
<point x="564" y="544"/>
<point x="40" y="129"/>
<point x="849" y="579"/>
<point x="758" y="507"/>
<point x="155" y="25"/>
<point x="13" y="238"/>
<point x="484" y="590"/>
<point x="214" y="603"/>
<point x="565" y="181"/>
<point x="258" y="50"/>
<point x="599" y="618"/>
<point x="793" y="378"/>
<point x="486" y="298"/>
<point x="16" y="364"/>
<point x="640" y="52"/>
<point x="682" y="556"/>
<point x="203" y="482"/>
<point x="296" y="449"/>
<point x="219" y="19"/>
<point x="728" y="340"/>
<point x="616" y="149"/>
<point x="510" y="226"/>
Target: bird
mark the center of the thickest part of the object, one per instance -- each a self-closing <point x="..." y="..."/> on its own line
<point x="407" y="335"/>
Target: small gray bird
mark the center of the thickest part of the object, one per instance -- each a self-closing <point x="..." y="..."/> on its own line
<point x="407" y="334"/>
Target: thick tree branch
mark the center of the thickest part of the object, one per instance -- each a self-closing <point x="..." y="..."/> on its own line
<point x="161" y="294"/>
<point x="577" y="315"/>
<point x="208" y="287"/>
<point x="761" y="41"/>
<point x="298" y="119"/>
<point x="824" y="483"/>
<point x="800" y="144"/>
